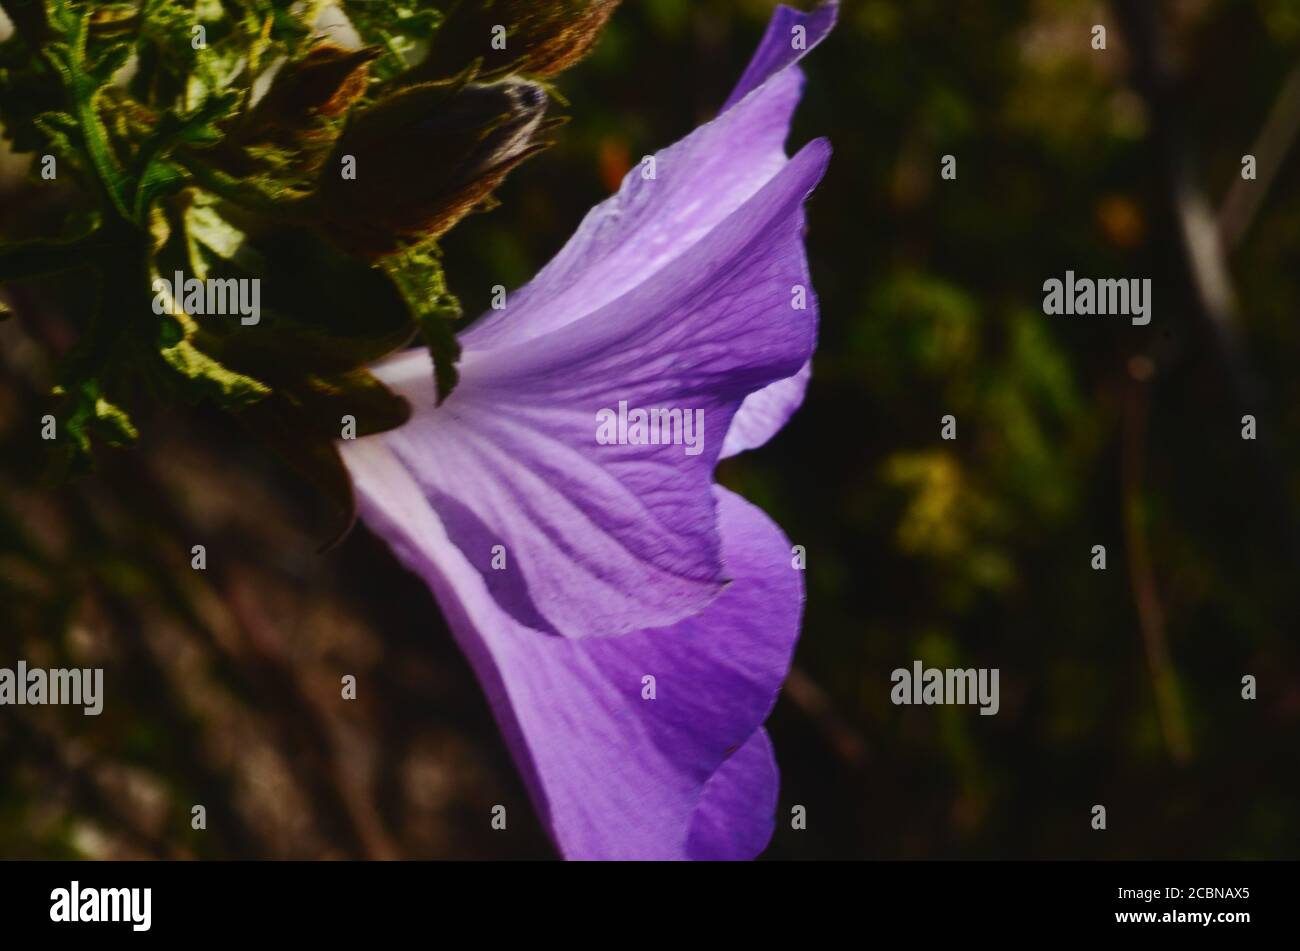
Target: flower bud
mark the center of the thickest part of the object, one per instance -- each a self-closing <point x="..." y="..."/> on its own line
<point x="290" y="129"/>
<point x="423" y="158"/>
<point x="535" y="37"/>
<point x="324" y="83"/>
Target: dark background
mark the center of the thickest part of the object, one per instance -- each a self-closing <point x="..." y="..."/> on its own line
<point x="1119" y="687"/>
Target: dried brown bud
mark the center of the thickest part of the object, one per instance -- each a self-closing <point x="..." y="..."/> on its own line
<point x="324" y="83"/>
<point x="535" y="37"/>
<point x="422" y="159"/>
<point x="296" y="120"/>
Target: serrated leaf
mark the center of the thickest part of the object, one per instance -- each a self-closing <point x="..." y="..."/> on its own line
<point x="153" y="174"/>
<point x="108" y="62"/>
<point x="114" y="424"/>
<point x="59" y="128"/>
<point x="158" y="181"/>
<point x="82" y="85"/>
<point x="88" y="413"/>
<point x="229" y="389"/>
<point x="63" y="122"/>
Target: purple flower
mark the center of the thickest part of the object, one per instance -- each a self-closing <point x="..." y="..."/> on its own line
<point x="571" y="569"/>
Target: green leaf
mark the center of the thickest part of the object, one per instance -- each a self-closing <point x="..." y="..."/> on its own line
<point x="159" y="180"/>
<point x="209" y="378"/>
<point x="114" y="424"/>
<point x="153" y="174"/>
<point x="88" y="414"/>
<point x="60" y="128"/>
<point x="108" y="62"/>
<point x="83" y="84"/>
<point x="399" y="26"/>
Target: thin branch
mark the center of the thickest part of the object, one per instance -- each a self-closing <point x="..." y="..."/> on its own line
<point x="1201" y="244"/>
<point x="812" y="701"/>
<point x="1245" y="197"/>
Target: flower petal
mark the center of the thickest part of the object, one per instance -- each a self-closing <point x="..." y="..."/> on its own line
<point x="783" y="45"/>
<point x="737" y="813"/>
<point x="614" y="775"/>
<point x="765" y="412"/>
<point x="649" y="222"/>
<point x="613" y="538"/>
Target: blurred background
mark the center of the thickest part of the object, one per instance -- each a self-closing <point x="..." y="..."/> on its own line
<point x="1120" y="687"/>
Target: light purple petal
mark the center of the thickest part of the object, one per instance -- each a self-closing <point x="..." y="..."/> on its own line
<point x="613" y="538"/>
<point x="737" y="813"/>
<point x="612" y="774"/>
<point x="765" y="412"/>
<point x="698" y="182"/>
<point x="778" y="50"/>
